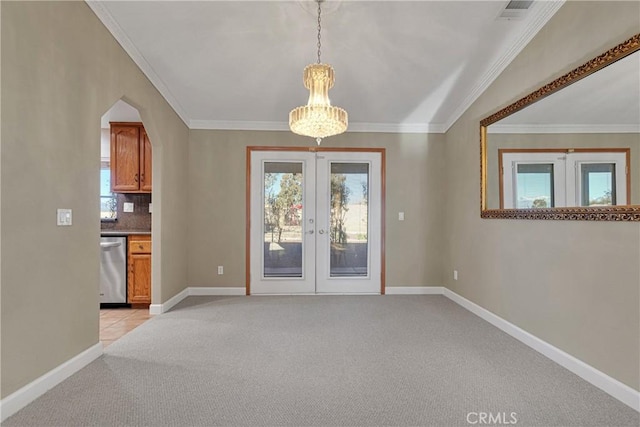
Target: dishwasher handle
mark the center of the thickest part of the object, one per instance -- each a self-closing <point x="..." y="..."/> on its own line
<point x="108" y="245"/>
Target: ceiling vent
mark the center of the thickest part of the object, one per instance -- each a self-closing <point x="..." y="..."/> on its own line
<point x="516" y="9"/>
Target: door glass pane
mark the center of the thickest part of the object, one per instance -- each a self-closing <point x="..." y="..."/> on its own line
<point x="282" y="183"/>
<point x="598" y="184"/>
<point x="535" y="186"/>
<point x="349" y="219"/>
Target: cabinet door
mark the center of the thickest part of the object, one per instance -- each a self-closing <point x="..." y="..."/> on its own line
<point x="125" y="158"/>
<point x="139" y="279"/>
<point x="145" y="162"/>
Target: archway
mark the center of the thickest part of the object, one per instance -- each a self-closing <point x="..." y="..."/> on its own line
<point x="126" y="209"/>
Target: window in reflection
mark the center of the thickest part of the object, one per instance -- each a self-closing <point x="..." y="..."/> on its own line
<point x="534" y="187"/>
<point x="598" y="181"/>
<point x="562" y="178"/>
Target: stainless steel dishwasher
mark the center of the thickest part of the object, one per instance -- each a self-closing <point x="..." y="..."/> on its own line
<point x="113" y="270"/>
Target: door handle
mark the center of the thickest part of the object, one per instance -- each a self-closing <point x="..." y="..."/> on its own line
<point x="320" y="231"/>
<point x="310" y="232"/>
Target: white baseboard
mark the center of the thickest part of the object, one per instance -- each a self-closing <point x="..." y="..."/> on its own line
<point x="314" y="294"/>
<point x="36" y="388"/>
<point x="195" y="291"/>
<point x="166" y="306"/>
<point x="615" y="388"/>
<point x="413" y="290"/>
<point x="155" y="309"/>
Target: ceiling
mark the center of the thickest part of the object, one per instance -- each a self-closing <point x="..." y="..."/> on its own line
<point x="607" y="101"/>
<point x="400" y="66"/>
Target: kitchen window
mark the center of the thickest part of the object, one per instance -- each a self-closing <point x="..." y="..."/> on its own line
<point x="108" y="200"/>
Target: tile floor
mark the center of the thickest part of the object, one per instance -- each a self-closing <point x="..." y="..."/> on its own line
<point x="115" y="322"/>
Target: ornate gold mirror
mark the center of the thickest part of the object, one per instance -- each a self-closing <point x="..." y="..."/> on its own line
<point x="571" y="149"/>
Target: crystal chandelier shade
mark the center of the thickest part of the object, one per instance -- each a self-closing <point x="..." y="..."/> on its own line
<point x="318" y="119"/>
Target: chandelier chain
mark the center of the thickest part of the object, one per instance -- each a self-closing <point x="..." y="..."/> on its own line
<point x="319" y="29"/>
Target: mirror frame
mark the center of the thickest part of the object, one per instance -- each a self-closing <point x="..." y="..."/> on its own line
<point x="611" y="213"/>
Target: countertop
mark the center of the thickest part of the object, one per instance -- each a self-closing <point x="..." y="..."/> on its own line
<point x="108" y="233"/>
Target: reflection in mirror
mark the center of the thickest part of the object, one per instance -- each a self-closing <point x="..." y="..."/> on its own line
<point x="564" y="177"/>
<point x="578" y="147"/>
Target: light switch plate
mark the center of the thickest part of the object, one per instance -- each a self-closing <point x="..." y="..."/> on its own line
<point x="400" y="216"/>
<point x="64" y="217"/>
<point x="127" y="207"/>
<point x="150" y="207"/>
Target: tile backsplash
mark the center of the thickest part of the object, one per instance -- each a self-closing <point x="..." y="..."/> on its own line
<point x="139" y="219"/>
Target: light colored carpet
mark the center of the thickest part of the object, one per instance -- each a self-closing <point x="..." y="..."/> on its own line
<point x="321" y="360"/>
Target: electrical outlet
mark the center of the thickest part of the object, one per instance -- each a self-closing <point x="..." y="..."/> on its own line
<point x="400" y="216"/>
<point x="455" y="274"/>
<point x="127" y="207"/>
<point x="220" y="270"/>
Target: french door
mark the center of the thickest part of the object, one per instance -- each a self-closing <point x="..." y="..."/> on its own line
<point x="315" y="222"/>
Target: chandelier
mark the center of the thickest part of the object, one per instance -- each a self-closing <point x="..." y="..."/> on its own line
<point x="318" y="119"/>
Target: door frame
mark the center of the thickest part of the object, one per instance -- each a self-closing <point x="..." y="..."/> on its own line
<point x="382" y="152"/>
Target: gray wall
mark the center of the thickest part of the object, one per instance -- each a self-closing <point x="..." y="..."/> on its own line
<point x="61" y="71"/>
<point x="573" y="284"/>
<point x="216" y="210"/>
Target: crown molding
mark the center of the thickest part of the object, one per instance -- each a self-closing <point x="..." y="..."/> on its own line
<point x="542" y="128"/>
<point x="284" y="126"/>
<point x="540" y="15"/>
<point x="121" y="37"/>
<point x="238" y="125"/>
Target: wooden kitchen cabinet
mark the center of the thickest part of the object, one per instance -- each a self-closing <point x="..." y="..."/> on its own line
<point x="130" y="158"/>
<point x="139" y="277"/>
<point x="145" y="162"/>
